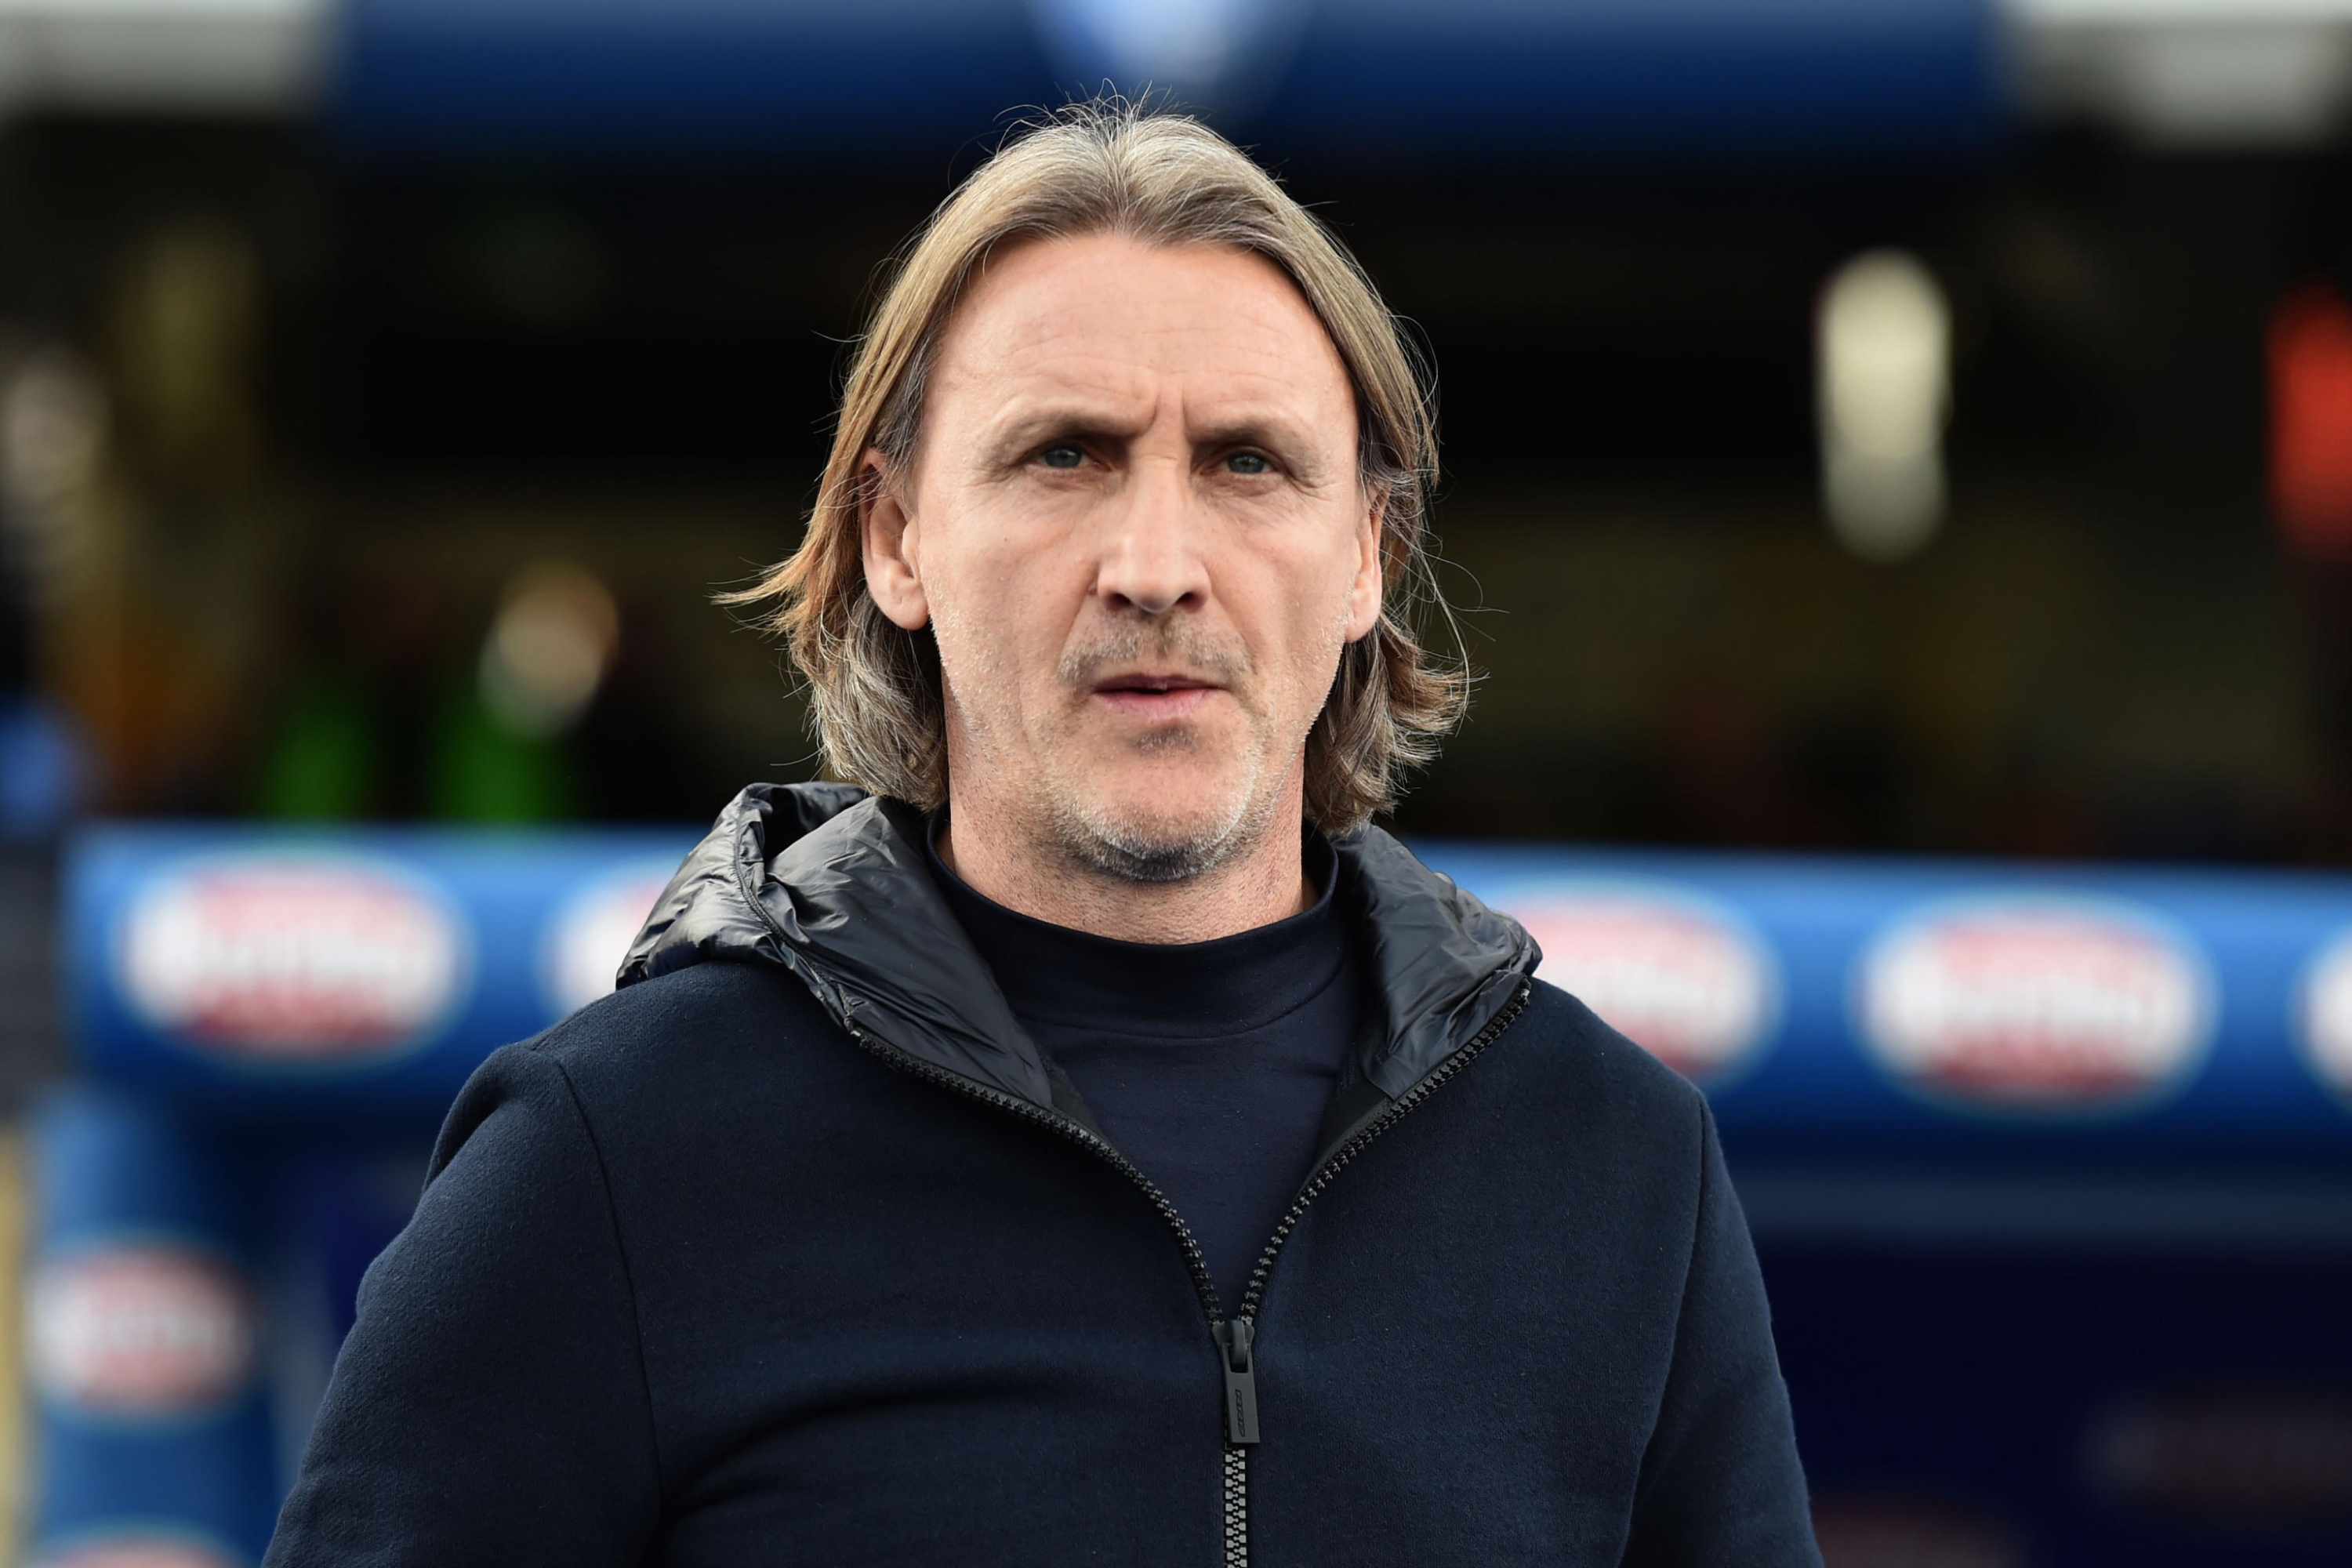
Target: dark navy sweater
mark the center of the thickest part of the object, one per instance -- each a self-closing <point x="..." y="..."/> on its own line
<point x="714" y="1276"/>
<point x="1208" y="1064"/>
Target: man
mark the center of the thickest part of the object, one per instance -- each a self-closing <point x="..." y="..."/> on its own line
<point x="1094" y="1144"/>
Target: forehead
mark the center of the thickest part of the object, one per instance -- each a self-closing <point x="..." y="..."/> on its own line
<point x="1109" y="317"/>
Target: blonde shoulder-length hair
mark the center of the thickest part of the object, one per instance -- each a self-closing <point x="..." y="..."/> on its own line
<point x="1107" y="166"/>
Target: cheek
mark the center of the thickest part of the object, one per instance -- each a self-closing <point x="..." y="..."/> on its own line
<point x="1000" y="612"/>
<point x="1316" y="599"/>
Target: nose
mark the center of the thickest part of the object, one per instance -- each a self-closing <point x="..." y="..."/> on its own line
<point x="1152" y="559"/>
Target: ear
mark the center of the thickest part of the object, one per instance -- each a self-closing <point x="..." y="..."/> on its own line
<point x="1364" y="599"/>
<point x="886" y="536"/>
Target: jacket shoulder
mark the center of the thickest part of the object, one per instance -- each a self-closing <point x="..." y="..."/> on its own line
<point x="1579" y="1060"/>
<point x="707" y="1018"/>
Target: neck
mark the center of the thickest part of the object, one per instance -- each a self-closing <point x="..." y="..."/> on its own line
<point x="1263" y="882"/>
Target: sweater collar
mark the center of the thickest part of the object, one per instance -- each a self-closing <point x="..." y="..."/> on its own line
<point x="1172" y="989"/>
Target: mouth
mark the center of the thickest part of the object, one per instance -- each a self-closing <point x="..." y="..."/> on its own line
<point x="1142" y="695"/>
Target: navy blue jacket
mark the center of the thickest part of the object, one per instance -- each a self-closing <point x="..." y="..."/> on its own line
<point x="790" y="1253"/>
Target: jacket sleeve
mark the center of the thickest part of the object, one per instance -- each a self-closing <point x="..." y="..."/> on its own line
<point x="1720" y="1483"/>
<point x="489" y="1404"/>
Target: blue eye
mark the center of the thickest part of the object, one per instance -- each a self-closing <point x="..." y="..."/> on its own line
<point x="1061" y="456"/>
<point x="1248" y="463"/>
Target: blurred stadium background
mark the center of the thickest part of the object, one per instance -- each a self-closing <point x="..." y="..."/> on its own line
<point x="1899" y="453"/>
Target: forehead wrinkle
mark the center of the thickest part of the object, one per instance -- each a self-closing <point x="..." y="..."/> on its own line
<point x="1082" y="371"/>
<point x="1101" y="386"/>
<point x="1041" y="402"/>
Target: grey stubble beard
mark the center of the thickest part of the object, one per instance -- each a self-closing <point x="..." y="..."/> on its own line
<point x="1063" y="826"/>
<point x="1095" y="841"/>
<point x="1090" y="839"/>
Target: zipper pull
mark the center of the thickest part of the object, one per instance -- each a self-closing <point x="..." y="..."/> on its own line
<point x="1241" y="1380"/>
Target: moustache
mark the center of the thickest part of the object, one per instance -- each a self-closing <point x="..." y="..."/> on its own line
<point x="1173" y="647"/>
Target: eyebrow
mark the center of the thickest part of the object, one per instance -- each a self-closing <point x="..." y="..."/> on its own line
<point x="1252" y="428"/>
<point x="1026" y="429"/>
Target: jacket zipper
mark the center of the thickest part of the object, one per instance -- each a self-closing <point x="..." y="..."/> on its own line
<point x="1235" y="1338"/>
<point x="1240" y="1334"/>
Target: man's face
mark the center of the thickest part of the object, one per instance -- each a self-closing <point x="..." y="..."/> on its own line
<point x="1135" y="524"/>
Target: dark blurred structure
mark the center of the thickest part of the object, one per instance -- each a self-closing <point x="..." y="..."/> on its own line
<point x="302" y="392"/>
<point x="1884" y="425"/>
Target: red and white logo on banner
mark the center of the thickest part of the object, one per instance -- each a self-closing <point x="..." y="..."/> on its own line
<point x="1671" y="972"/>
<point x="143" y="1330"/>
<point x="292" y="957"/>
<point x="590" y="933"/>
<point x="2034" y="1004"/>
<point x="2325" y="1020"/>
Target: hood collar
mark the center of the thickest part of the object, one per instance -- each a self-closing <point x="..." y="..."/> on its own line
<point x="832" y="884"/>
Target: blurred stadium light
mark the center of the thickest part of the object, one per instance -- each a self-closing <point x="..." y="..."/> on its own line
<point x="2191" y="72"/>
<point x="1884" y="376"/>
<point x="222" y="56"/>
<point x="2311" y="421"/>
<point x="549" y="649"/>
<point x="1222" y="54"/>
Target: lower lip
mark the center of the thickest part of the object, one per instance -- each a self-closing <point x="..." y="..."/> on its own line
<point x="1181" y="702"/>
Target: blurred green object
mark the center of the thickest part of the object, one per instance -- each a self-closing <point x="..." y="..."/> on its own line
<point x="326" y="762"/>
<point x="482" y="771"/>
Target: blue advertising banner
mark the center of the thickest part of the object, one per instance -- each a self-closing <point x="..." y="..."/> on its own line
<point x="1850" y="1004"/>
<point x="2090" y="1126"/>
<point x="1824" y="1005"/>
<point x="263" y="973"/>
<point x="144" y="1342"/>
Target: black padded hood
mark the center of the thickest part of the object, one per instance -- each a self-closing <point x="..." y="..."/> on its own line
<point x="833" y="884"/>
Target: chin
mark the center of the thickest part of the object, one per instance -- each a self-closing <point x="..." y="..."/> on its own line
<point x="1160" y="830"/>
